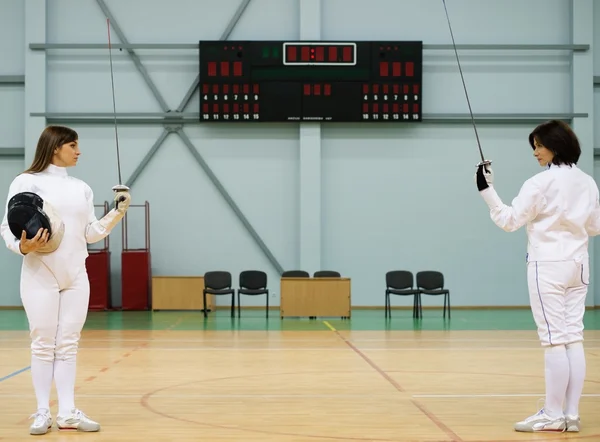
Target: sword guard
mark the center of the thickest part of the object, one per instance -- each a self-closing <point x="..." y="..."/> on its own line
<point x="484" y="163"/>
<point x="120" y="188"/>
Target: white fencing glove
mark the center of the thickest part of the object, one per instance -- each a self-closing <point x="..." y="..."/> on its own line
<point x="122" y="200"/>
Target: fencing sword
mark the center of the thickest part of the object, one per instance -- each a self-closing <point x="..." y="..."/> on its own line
<point x="483" y="160"/>
<point x="119" y="187"/>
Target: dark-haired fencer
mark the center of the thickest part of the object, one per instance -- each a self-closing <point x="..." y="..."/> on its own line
<point x="49" y="221"/>
<point x="560" y="209"/>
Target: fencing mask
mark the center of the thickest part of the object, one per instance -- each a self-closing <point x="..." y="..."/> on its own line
<point x="29" y="212"/>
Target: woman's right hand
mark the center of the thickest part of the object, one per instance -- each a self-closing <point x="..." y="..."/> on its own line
<point x="31" y="245"/>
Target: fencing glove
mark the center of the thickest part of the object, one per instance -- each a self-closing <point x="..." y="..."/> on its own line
<point x="122" y="200"/>
<point x="484" y="177"/>
<point x="111" y="219"/>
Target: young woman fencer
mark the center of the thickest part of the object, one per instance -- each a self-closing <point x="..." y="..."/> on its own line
<point x="560" y="207"/>
<point x="54" y="283"/>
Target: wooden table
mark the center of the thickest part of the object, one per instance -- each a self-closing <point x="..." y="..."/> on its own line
<point x="179" y="293"/>
<point x="314" y="297"/>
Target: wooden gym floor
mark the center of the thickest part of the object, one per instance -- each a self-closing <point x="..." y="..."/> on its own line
<point x="174" y="376"/>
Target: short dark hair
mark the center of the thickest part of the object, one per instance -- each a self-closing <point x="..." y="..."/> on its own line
<point x="559" y="138"/>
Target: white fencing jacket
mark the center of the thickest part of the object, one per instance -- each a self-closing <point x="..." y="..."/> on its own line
<point x="561" y="209"/>
<point x="73" y="200"/>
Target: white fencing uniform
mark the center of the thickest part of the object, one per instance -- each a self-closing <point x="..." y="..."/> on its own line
<point x="560" y="207"/>
<point x="55" y="287"/>
<point x="561" y="210"/>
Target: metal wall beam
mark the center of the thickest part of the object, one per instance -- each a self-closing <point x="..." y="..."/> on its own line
<point x="426" y="47"/>
<point x="18" y="152"/>
<point x="102" y="115"/>
<point x="12" y="79"/>
<point x="136" y="60"/>
<point x="47" y="46"/>
<point x="194" y="118"/>
<point x="511" y="47"/>
<point x="310" y="160"/>
<point x="508" y="118"/>
<point x="36" y="73"/>
<point x="229" y="200"/>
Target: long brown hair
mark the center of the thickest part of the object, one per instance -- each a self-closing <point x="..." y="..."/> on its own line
<point x="51" y="138"/>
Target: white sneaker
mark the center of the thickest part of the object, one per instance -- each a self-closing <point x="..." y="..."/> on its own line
<point x="42" y="422"/>
<point x="542" y="422"/>
<point x="77" y="420"/>
<point x="573" y="423"/>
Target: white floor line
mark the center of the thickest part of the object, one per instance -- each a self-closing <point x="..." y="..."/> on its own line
<point x="191" y="395"/>
<point x="464" y="396"/>
<point x="275" y="340"/>
<point x="340" y="348"/>
<point x="292" y="396"/>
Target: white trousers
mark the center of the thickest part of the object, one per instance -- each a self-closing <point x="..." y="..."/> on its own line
<point x="557" y="292"/>
<point x="56" y="310"/>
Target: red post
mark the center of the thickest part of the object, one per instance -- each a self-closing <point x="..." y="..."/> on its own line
<point x="136" y="277"/>
<point x="98" y="268"/>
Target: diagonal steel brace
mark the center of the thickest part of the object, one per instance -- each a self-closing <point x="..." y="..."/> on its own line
<point x="228" y="198"/>
<point x="136" y="60"/>
<point x="179" y="129"/>
<point x="188" y="96"/>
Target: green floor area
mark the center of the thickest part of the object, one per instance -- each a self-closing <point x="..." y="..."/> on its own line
<point x="484" y="319"/>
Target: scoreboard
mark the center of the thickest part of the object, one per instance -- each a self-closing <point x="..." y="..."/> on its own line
<point x="279" y="81"/>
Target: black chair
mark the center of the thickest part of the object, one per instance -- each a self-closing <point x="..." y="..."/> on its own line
<point x="295" y="274"/>
<point x="253" y="283"/>
<point x="327" y="274"/>
<point x="218" y="283"/>
<point x="400" y="282"/>
<point x="431" y="282"/>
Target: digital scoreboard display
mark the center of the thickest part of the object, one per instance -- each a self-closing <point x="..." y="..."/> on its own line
<point x="279" y="81"/>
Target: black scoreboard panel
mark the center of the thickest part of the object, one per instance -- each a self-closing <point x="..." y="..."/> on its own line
<point x="277" y="81"/>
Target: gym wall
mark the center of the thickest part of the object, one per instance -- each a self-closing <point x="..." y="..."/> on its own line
<point x="359" y="199"/>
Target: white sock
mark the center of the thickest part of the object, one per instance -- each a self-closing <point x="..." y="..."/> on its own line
<point x="41" y="374"/>
<point x="577" y="368"/>
<point x="64" y="378"/>
<point x="557" y="379"/>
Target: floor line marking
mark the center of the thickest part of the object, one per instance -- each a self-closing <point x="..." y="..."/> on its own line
<point x="483" y="395"/>
<point x="291" y="396"/>
<point x="208" y="340"/>
<point x="432" y="417"/>
<point x="14" y="373"/>
<point x="103" y="369"/>
<point x="146" y="346"/>
<point x="329" y="326"/>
